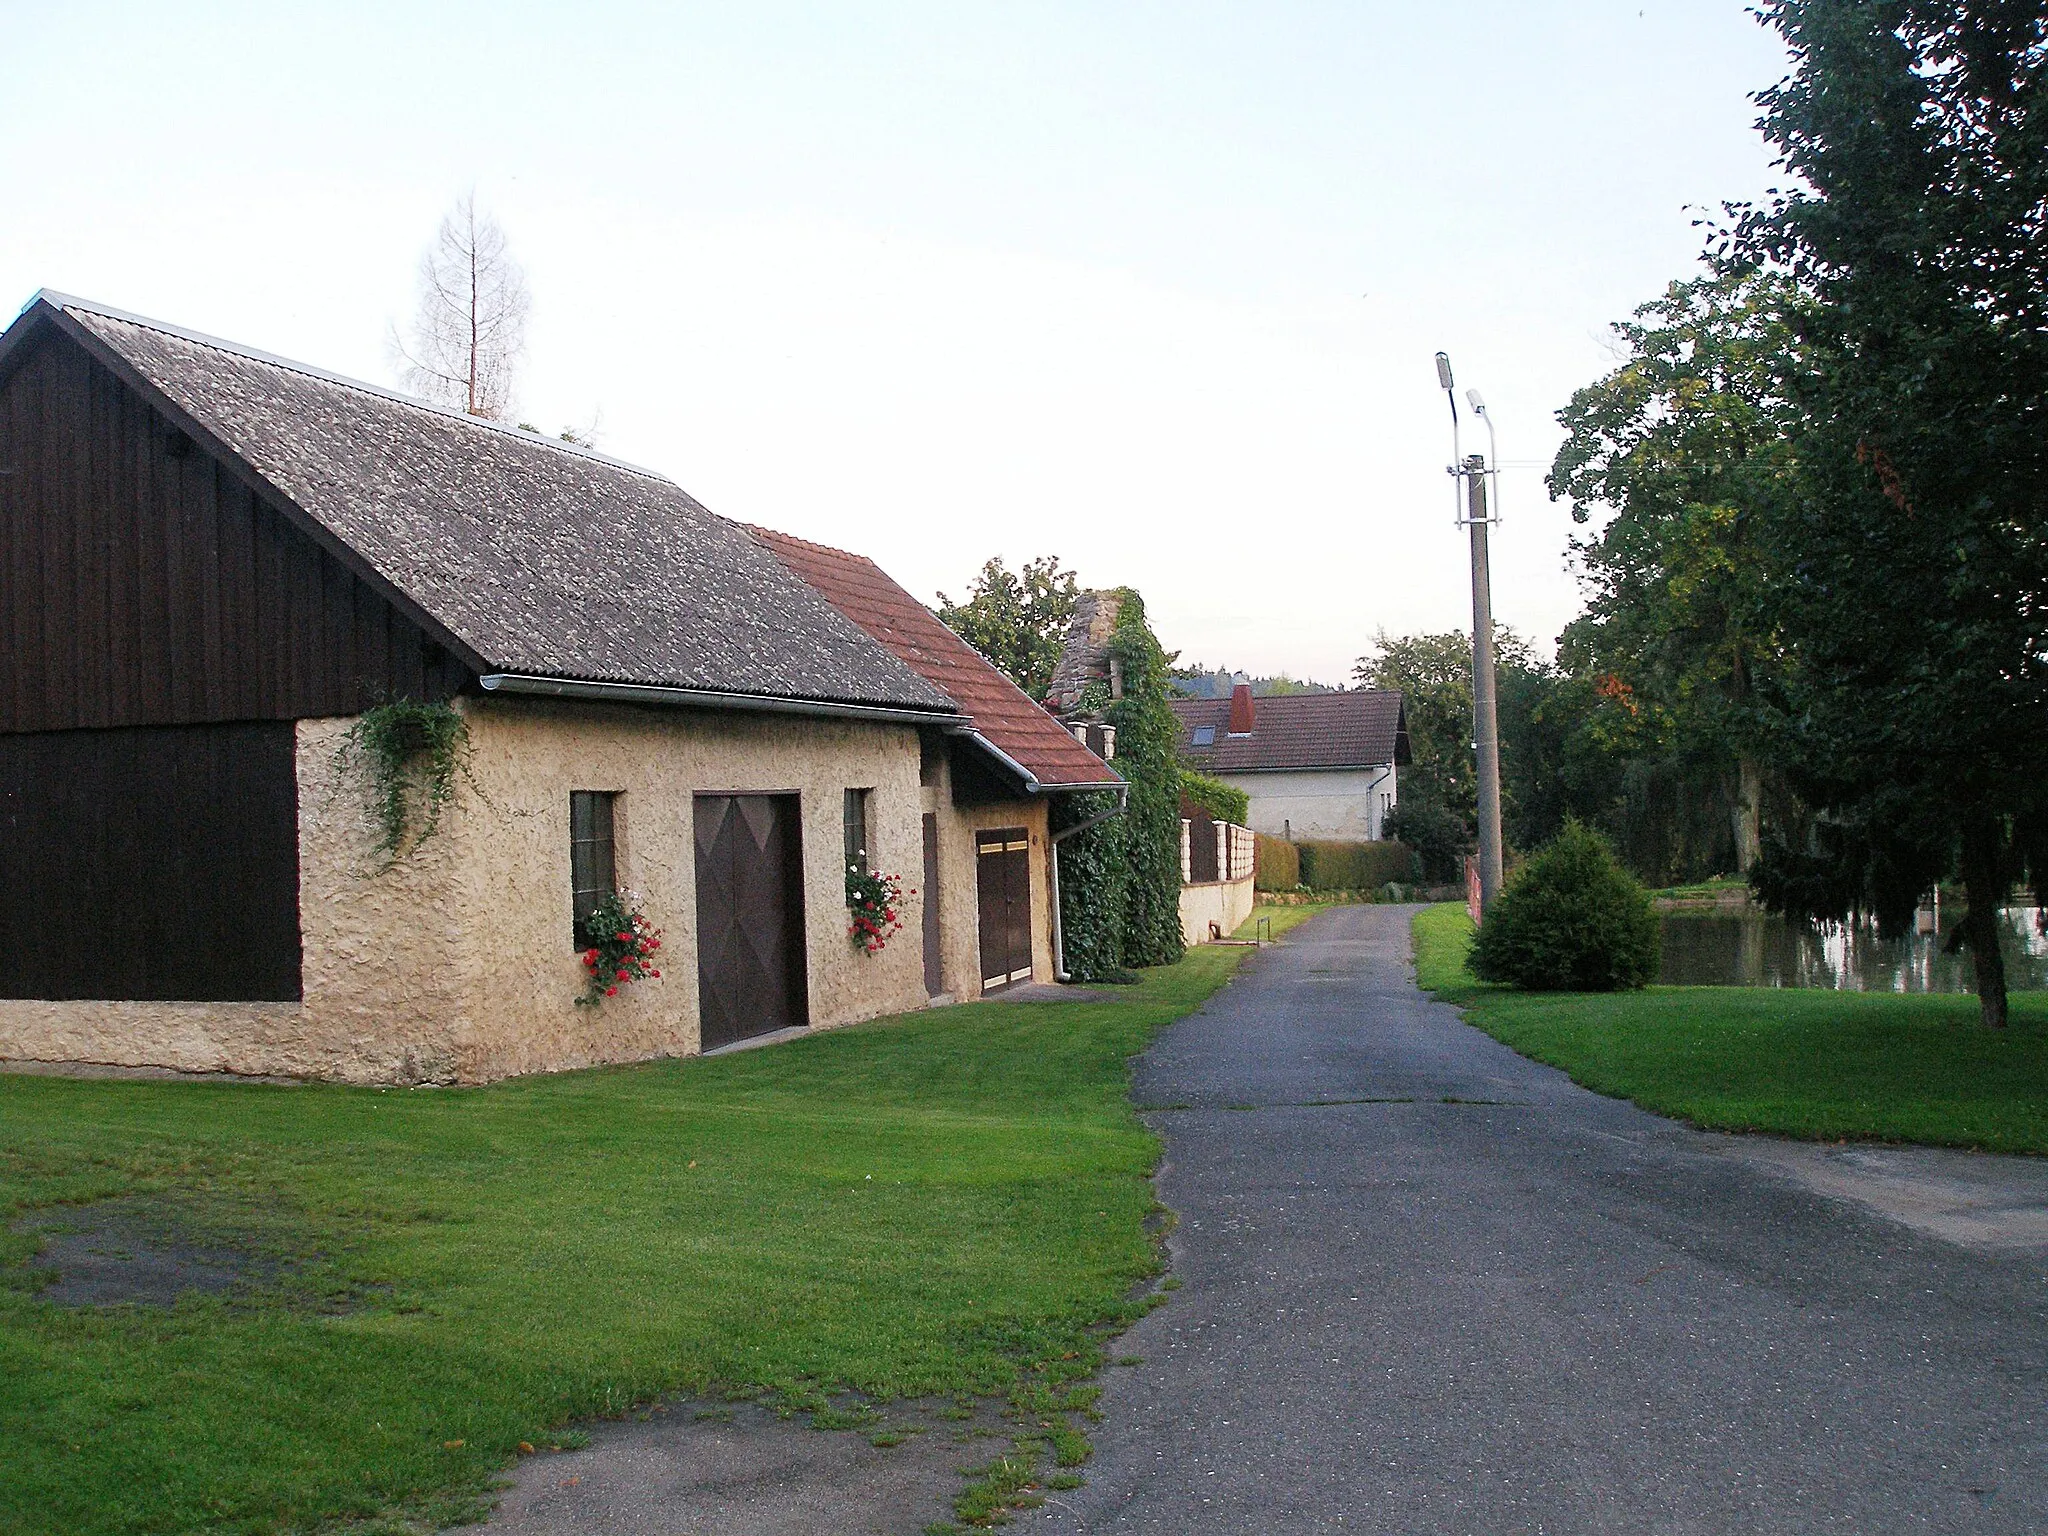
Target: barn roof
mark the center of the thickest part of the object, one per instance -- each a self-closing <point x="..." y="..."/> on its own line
<point x="1002" y="712"/>
<point x="1362" y="729"/>
<point x="529" y="556"/>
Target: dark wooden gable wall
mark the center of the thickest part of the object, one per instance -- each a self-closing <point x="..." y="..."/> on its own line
<point x="143" y="583"/>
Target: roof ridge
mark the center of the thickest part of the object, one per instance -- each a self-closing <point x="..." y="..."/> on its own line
<point x="68" y="301"/>
<point x="829" y="549"/>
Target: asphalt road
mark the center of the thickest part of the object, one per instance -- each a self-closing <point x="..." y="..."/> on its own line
<point x="1429" y="1286"/>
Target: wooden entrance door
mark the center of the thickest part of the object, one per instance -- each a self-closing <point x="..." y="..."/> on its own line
<point x="1003" y="871"/>
<point x="750" y="917"/>
<point x="934" y="958"/>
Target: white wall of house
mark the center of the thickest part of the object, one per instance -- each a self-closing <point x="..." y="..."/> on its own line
<point x="1340" y="804"/>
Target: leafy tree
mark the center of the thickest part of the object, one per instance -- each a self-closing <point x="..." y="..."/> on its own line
<point x="1017" y="620"/>
<point x="1686" y="444"/>
<point x="1439" y="790"/>
<point x="1916" y="548"/>
<point x="1433" y="674"/>
<point x="1559" y="755"/>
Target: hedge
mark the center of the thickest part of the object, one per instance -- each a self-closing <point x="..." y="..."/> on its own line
<point x="1277" y="865"/>
<point x="1354" y="866"/>
<point x="1224" y="802"/>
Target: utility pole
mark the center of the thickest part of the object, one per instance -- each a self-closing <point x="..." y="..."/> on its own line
<point x="1485" y="717"/>
<point x="1474" y="516"/>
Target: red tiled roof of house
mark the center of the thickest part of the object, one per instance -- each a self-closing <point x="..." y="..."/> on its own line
<point x="903" y="626"/>
<point x="1362" y="729"/>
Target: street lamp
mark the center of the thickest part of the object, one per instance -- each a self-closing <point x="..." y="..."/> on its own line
<point x="1469" y="476"/>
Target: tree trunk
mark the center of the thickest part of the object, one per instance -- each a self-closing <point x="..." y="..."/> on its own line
<point x="1983" y="888"/>
<point x="1748" y="811"/>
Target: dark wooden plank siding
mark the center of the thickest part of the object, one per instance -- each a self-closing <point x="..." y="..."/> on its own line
<point x="152" y="863"/>
<point x="143" y="583"/>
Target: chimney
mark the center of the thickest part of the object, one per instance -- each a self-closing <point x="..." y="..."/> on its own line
<point x="1241" y="709"/>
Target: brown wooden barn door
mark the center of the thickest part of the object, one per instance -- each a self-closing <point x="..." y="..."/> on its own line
<point x="1003" y="874"/>
<point x="750" y="917"/>
<point x="934" y="967"/>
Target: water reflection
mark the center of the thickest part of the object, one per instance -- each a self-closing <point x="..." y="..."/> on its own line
<point x="1752" y="949"/>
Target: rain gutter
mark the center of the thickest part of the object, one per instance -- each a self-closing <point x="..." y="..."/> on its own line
<point x="705" y="698"/>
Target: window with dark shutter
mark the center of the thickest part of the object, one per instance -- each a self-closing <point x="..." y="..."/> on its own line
<point x="593" y="857"/>
<point x="857" y="829"/>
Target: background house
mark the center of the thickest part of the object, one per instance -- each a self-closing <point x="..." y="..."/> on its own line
<point x="1315" y="766"/>
<point x="212" y="561"/>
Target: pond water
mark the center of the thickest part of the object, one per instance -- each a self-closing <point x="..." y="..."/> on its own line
<point x="1746" y="948"/>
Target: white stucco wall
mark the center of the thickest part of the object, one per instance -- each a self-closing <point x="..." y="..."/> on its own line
<point x="1343" y="804"/>
<point x="457" y="963"/>
<point x="959" y="883"/>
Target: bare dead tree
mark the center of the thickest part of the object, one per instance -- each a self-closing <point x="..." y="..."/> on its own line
<point x="468" y="335"/>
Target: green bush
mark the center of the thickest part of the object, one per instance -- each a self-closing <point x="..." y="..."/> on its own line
<point x="1573" y="920"/>
<point x="1354" y="866"/>
<point x="1224" y="802"/>
<point x="1276" y="864"/>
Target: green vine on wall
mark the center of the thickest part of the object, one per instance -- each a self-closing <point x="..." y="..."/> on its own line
<point x="1120" y="881"/>
<point x="412" y="752"/>
<point x="1094" y="886"/>
<point x="1148" y="753"/>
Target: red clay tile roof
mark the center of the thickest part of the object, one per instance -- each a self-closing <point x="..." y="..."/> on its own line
<point x="1299" y="730"/>
<point x="903" y="626"/>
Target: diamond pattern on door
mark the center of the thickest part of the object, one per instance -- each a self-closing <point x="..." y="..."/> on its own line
<point x="750" y="921"/>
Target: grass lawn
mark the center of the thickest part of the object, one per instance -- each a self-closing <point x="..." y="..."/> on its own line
<point x="945" y="1202"/>
<point x="1721" y="889"/>
<point x="1799" y="1062"/>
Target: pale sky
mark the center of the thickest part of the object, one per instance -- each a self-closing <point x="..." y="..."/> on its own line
<point x="1152" y="287"/>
